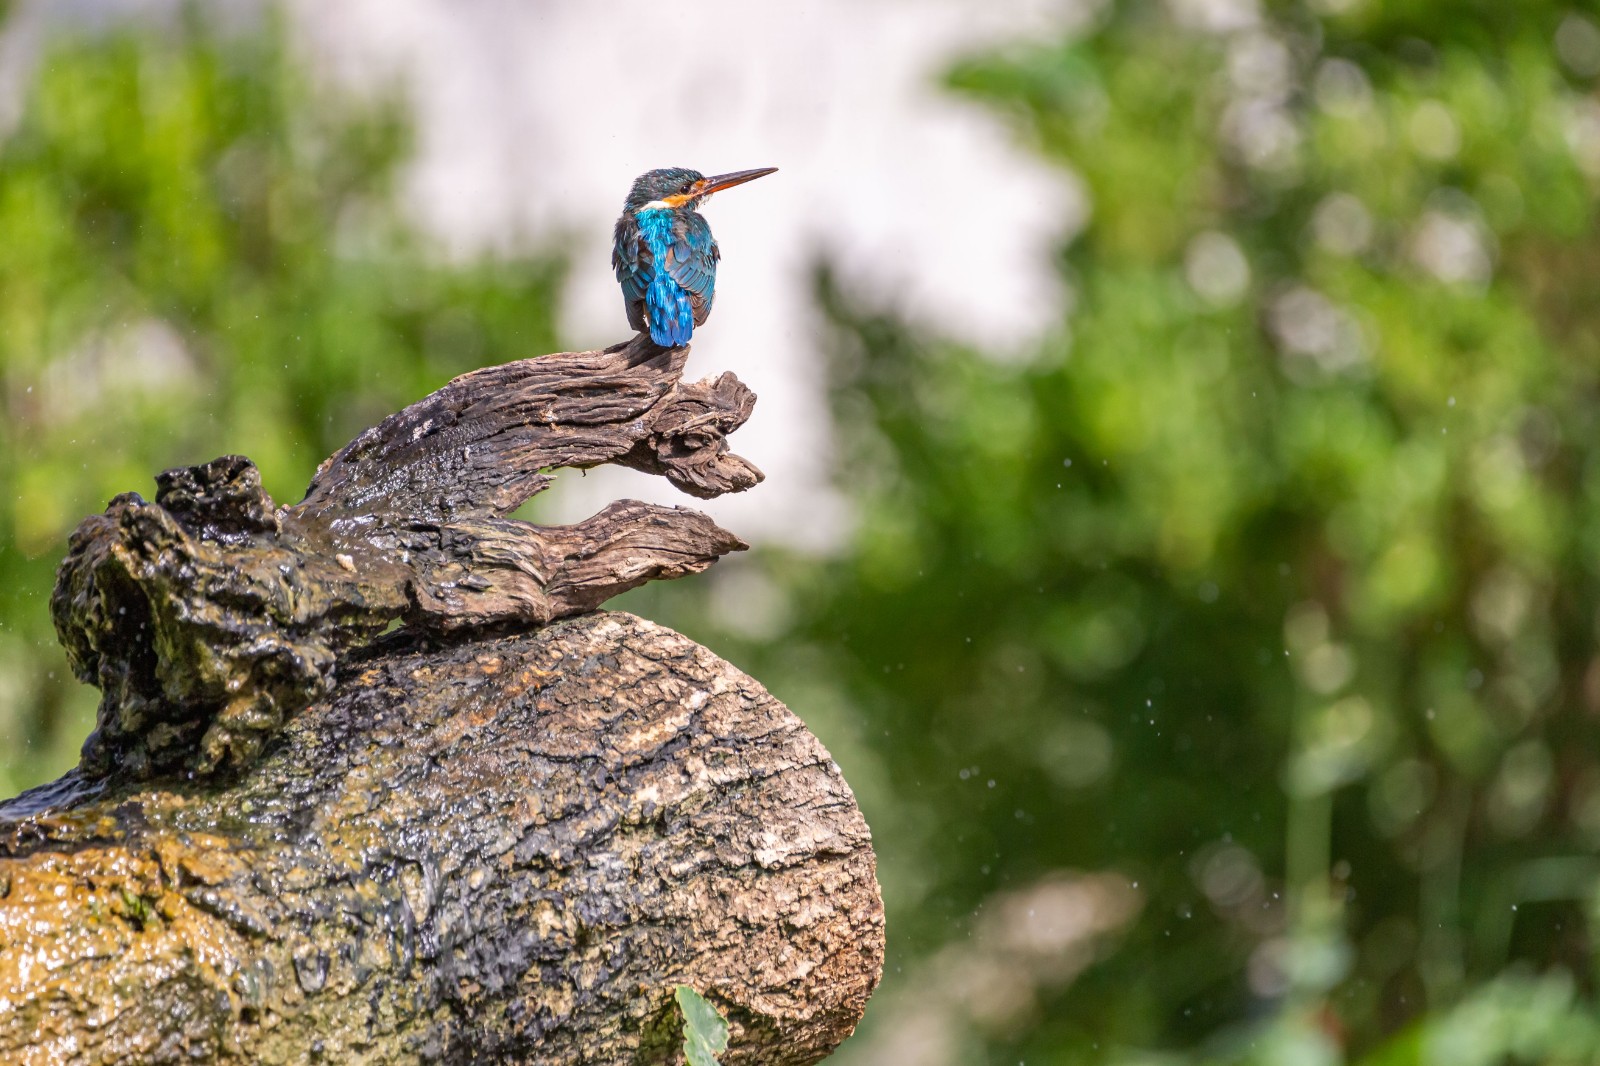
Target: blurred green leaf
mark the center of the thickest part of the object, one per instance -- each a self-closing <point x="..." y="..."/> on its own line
<point x="705" y="1031"/>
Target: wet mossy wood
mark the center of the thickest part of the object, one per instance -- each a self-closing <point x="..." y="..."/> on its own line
<point x="503" y="832"/>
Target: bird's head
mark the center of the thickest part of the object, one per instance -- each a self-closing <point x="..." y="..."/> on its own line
<point x="675" y="187"/>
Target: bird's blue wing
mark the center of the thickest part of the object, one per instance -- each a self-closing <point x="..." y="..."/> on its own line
<point x="632" y="262"/>
<point x="692" y="262"/>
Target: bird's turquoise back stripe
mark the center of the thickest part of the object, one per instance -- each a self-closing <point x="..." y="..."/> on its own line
<point x="667" y="308"/>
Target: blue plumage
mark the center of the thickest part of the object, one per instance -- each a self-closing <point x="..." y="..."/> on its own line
<point x="669" y="299"/>
<point x="668" y="311"/>
<point x="664" y="255"/>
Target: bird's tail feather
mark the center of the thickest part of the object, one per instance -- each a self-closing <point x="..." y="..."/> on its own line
<point x="669" y="312"/>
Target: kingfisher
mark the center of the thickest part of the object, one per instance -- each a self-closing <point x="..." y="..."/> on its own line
<point x="664" y="254"/>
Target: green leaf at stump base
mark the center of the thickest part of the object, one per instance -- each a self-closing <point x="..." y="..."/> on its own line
<point x="705" y="1031"/>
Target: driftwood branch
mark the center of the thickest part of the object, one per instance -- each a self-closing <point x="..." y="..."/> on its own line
<point x="295" y="839"/>
<point x="210" y="616"/>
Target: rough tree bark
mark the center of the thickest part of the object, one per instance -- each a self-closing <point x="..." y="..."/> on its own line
<point x="499" y="832"/>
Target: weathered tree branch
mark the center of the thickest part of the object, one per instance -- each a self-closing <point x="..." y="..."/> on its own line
<point x="210" y="616"/>
<point x="292" y="839"/>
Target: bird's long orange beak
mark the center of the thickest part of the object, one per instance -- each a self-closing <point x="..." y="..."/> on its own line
<point x="706" y="186"/>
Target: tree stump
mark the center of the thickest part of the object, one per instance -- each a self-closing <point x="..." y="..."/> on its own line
<point x="373" y="781"/>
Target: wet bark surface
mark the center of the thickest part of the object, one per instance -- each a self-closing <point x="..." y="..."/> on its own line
<point x="501" y="832"/>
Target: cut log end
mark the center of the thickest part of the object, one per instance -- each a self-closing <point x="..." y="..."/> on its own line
<point x="505" y="850"/>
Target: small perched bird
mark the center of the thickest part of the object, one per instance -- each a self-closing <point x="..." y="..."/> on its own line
<point x="664" y="254"/>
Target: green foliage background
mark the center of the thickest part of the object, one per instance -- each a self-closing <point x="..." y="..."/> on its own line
<point x="1270" y="579"/>
<point x="199" y="254"/>
<point x="1267" y="582"/>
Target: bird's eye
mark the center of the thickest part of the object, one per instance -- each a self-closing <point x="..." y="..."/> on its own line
<point x="687" y="186"/>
